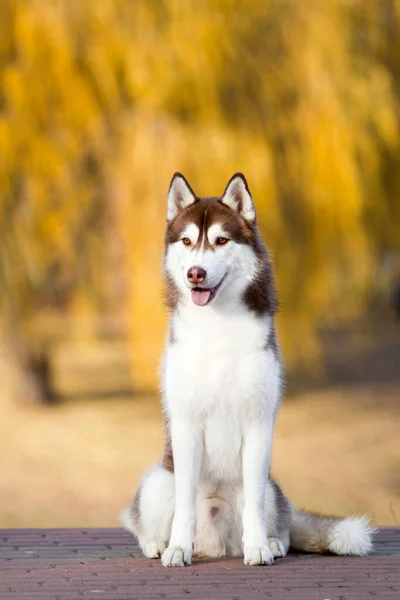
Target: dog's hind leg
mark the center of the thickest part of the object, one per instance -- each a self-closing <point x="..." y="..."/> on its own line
<point x="149" y="516"/>
<point x="279" y="546"/>
<point x="278" y="515"/>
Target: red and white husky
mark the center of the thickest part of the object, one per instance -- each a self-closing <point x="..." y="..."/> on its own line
<point x="212" y="493"/>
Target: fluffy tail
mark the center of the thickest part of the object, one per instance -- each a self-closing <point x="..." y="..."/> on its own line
<point x="313" y="533"/>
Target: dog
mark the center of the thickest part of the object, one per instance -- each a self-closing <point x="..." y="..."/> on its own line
<point x="212" y="493"/>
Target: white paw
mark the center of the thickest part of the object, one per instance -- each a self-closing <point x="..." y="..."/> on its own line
<point x="174" y="556"/>
<point x="152" y="549"/>
<point x="277" y="547"/>
<point x="258" y="555"/>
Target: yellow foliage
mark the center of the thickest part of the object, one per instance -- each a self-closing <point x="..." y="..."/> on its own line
<point x="102" y="101"/>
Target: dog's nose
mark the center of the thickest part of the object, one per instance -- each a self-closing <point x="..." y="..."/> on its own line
<point x="196" y="275"/>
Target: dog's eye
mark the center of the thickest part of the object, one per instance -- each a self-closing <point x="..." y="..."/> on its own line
<point x="186" y="241"/>
<point x="220" y="241"/>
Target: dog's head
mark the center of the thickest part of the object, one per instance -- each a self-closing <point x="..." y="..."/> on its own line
<point x="213" y="248"/>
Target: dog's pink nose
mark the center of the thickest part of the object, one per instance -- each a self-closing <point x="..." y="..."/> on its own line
<point x="196" y="275"/>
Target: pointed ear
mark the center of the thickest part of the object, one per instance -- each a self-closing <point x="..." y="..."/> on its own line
<point x="180" y="195"/>
<point x="238" y="198"/>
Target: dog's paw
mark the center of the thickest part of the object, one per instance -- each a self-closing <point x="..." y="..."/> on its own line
<point x="258" y="555"/>
<point x="277" y="547"/>
<point x="174" y="556"/>
<point x="152" y="549"/>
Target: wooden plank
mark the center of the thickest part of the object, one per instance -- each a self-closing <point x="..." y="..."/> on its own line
<point x="64" y="564"/>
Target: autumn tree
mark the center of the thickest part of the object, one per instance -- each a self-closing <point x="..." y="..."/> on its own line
<point x="102" y="101"/>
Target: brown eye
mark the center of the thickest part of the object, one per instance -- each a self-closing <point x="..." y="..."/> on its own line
<point x="186" y="241"/>
<point x="220" y="241"/>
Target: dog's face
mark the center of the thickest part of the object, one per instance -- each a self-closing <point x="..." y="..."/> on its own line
<point x="212" y="244"/>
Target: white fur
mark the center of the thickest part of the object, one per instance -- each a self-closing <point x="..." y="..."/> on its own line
<point x="237" y="197"/>
<point x="179" y="196"/>
<point x="215" y="231"/>
<point x="125" y="516"/>
<point x="192" y="232"/>
<point x="234" y="262"/>
<point x="221" y="390"/>
<point x="156" y="506"/>
<point x="351" y="536"/>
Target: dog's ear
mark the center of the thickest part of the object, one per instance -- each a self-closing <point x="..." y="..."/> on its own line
<point x="180" y="195"/>
<point x="237" y="196"/>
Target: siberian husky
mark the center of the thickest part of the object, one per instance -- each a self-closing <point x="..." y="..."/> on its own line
<point x="212" y="493"/>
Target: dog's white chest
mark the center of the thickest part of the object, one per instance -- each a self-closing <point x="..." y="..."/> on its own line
<point x="222" y="439"/>
<point x="214" y="363"/>
<point x="215" y="374"/>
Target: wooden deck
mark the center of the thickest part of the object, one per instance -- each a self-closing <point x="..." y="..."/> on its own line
<point x="67" y="564"/>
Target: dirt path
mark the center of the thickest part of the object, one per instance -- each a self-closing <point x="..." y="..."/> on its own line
<point x="78" y="463"/>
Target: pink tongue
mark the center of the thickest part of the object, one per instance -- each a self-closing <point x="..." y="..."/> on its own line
<point x="201" y="297"/>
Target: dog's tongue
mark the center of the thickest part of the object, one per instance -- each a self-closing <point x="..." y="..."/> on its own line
<point x="201" y="297"/>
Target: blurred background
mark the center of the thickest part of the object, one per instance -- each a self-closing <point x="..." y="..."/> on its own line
<point x="100" y="102"/>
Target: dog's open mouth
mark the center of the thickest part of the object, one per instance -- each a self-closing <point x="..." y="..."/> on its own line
<point x="202" y="296"/>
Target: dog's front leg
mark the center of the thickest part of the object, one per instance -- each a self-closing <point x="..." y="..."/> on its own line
<point x="186" y="448"/>
<point x="257" y="443"/>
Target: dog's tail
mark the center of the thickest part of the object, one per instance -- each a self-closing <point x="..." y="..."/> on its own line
<point x="314" y="533"/>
